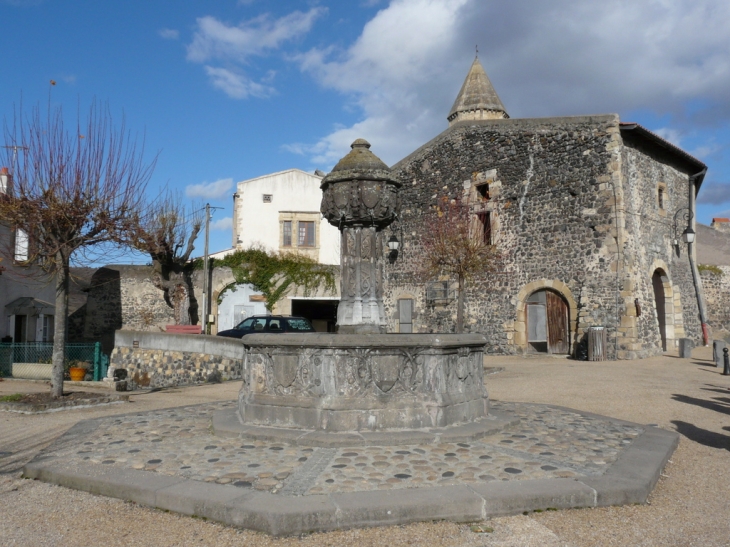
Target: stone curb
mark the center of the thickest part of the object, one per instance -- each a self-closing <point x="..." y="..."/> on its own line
<point x="629" y="480"/>
<point x="227" y="424"/>
<point x="22" y="408"/>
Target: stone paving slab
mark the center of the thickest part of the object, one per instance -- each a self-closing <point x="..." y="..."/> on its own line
<point x="552" y="458"/>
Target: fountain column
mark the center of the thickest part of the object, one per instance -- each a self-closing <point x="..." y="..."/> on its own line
<point x="360" y="198"/>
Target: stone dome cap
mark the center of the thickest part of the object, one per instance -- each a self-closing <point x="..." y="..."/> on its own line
<point x="359" y="164"/>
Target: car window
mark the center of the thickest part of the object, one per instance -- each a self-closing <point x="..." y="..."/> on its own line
<point x="275" y="324"/>
<point x="259" y="324"/>
<point x="245" y="324"/>
<point x="299" y="324"/>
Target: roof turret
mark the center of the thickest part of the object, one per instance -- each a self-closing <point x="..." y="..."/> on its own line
<point x="477" y="99"/>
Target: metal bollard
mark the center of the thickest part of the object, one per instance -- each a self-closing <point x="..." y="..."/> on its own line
<point x="726" y="357"/>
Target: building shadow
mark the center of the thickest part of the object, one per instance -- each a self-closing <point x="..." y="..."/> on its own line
<point x="716" y="389"/>
<point x="703" y="436"/>
<point x="709" y="405"/>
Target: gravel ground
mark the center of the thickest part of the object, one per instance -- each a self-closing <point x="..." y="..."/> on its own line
<point x="690" y="505"/>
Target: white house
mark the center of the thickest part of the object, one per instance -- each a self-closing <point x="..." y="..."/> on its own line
<point x="26" y="296"/>
<point x="280" y="212"/>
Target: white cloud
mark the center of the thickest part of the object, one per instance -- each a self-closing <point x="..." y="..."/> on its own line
<point x="235" y="84"/>
<point x="672" y="135"/>
<point x="217" y="42"/>
<point x="564" y="57"/>
<point x="213" y="190"/>
<point x="222" y="224"/>
<point x="169" y="33"/>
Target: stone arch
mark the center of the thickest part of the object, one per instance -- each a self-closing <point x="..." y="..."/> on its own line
<point x="519" y="337"/>
<point x="669" y="320"/>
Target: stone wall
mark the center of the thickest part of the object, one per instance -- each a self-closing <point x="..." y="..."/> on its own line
<point x="568" y="199"/>
<point x="717" y="298"/>
<point x="165" y="360"/>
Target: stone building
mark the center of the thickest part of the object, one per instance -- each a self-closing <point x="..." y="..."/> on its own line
<point x="587" y="213"/>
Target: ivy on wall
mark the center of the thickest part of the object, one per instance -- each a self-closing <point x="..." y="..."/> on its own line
<point x="273" y="274"/>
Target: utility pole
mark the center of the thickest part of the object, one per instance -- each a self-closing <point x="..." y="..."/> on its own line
<point x="205" y="270"/>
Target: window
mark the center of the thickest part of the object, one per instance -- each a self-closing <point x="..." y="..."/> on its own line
<point x="268" y="198"/>
<point x="306" y="234"/>
<point x="47" y="329"/>
<point x="21" y="246"/>
<point x="660" y="197"/>
<point x="485" y="226"/>
<point x="286" y="231"/>
<point x="483" y="192"/>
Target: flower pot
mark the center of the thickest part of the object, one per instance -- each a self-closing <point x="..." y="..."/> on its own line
<point x="77" y="374"/>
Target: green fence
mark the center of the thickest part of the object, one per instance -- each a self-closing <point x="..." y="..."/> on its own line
<point x="32" y="360"/>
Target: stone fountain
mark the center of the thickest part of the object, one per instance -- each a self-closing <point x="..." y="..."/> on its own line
<point x="362" y="384"/>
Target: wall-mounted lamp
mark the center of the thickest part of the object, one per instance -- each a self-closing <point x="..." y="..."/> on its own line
<point x="688" y="235"/>
<point x="393" y="245"/>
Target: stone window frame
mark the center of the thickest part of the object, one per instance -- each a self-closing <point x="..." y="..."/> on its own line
<point x="662" y="198"/>
<point x="295" y="217"/>
<point x="481" y="206"/>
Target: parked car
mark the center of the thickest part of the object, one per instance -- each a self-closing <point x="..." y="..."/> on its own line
<point x="268" y="324"/>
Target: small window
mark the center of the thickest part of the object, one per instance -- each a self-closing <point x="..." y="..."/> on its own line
<point x="405" y="315"/>
<point x="483" y="192"/>
<point x="21" y="245"/>
<point x="268" y="198"/>
<point x="286" y="237"/>
<point x="306" y="234"/>
<point x="485" y="226"/>
<point x="660" y="197"/>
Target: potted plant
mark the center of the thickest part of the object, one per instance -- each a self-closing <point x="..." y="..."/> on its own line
<point x="77" y="370"/>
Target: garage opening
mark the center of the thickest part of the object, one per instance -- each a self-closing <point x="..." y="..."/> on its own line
<point x="322" y="313"/>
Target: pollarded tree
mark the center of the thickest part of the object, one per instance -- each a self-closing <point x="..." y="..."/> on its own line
<point x="167" y="232"/>
<point x="457" y="243"/>
<point x="73" y="188"/>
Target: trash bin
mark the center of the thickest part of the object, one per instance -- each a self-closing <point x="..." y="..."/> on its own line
<point x="597" y="342"/>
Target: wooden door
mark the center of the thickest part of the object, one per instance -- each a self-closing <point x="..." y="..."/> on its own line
<point x="557" y="320"/>
<point x="656" y="281"/>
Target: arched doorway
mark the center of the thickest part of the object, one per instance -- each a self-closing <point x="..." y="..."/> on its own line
<point x="657" y="281"/>
<point x="548" y="328"/>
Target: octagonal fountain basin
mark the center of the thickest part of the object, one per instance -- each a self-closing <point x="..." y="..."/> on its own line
<point x="363" y="382"/>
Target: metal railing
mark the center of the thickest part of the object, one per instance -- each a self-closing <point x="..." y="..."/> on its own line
<point x="32" y="360"/>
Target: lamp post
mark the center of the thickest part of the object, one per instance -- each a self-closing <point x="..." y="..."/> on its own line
<point x="688" y="235"/>
<point x="393" y="245"/>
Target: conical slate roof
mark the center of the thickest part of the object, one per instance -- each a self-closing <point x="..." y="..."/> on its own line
<point x="477" y="98"/>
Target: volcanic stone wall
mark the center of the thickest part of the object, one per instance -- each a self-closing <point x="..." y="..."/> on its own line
<point x="556" y="190"/>
<point x="716" y="283"/>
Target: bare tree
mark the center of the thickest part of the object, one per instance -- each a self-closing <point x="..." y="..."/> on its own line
<point x="167" y="232"/>
<point x="73" y="188"/>
<point x="456" y="243"/>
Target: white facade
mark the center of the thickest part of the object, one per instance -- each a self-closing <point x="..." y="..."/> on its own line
<point x="27" y="296"/>
<point x="280" y="212"/>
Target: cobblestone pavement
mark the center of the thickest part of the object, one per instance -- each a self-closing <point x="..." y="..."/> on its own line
<point x="548" y="443"/>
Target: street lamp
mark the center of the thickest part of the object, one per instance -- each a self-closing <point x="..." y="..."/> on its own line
<point x="688" y="235"/>
<point x="393" y="245"/>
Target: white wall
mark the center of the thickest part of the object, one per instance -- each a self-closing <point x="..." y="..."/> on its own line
<point x="238" y="297"/>
<point x="257" y="223"/>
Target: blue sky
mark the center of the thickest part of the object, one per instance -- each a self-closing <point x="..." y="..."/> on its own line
<point x="228" y="90"/>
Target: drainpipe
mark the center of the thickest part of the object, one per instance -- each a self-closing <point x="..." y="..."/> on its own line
<point x="695" y="180"/>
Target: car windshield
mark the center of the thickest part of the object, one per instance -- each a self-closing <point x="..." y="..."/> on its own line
<point x="300" y="324"/>
<point x="245" y="324"/>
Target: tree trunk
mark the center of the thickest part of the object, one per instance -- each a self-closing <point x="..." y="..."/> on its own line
<point x="460" y="307"/>
<point x="59" y="327"/>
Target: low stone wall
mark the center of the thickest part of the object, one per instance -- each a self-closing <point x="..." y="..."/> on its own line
<point x="164" y="360"/>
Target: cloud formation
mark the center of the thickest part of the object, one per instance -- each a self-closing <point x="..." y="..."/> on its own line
<point x="216" y="43"/>
<point x="213" y="190"/>
<point x="714" y="193"/>
<point x="169" y="33"/>
<point x="564" y="57"/>
<point x="222" y="224"/>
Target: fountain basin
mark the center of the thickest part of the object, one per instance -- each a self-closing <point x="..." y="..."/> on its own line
<point x="365" y="382"/>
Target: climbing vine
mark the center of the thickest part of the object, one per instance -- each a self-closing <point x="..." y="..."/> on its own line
<point x="274" y="273"/>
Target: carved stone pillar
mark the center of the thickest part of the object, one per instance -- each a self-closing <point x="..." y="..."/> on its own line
<point x="360" y="197"/>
